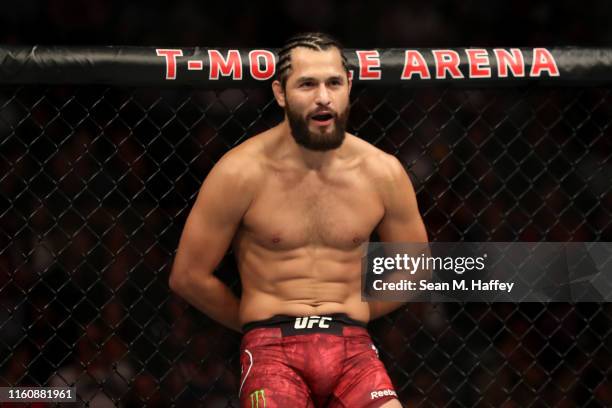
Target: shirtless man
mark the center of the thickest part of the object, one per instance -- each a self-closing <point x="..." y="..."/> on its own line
<point x="296" y="203"/>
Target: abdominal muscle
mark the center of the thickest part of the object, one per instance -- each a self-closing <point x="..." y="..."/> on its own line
<point x="305" y="283"/>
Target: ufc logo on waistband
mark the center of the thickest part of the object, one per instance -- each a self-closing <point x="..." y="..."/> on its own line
<point x="310" y="321"/>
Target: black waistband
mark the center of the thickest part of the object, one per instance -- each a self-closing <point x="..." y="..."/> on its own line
<point x="291" y="325"/>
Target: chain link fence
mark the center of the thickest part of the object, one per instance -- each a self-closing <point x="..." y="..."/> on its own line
<point x="97" y="182"/>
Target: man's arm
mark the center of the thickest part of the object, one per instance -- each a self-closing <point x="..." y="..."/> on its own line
<point x="402" y="221"/>
<point x="221" y="203"/>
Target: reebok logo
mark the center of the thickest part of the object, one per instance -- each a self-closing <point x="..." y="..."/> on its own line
<point x="309" y="322"/>
<point x="382" y="393"/>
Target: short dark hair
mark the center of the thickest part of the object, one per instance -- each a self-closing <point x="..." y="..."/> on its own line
<point x="313" y="41"/>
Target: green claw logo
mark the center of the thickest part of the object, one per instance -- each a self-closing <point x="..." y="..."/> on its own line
<point x="256" y="396"/>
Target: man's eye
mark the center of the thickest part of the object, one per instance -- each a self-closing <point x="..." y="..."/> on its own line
<point x="306" y="84"/>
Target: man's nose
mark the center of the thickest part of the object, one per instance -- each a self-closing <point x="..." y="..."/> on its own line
<point x="323" y="95"/>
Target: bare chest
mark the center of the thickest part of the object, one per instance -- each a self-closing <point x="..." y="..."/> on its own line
<point x="291" y="212"/>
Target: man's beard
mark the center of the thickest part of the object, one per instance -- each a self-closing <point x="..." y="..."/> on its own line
<point x="332" y="137"/>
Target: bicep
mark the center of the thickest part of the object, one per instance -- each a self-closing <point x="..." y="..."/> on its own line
<point x="402" y="221"/>
<point x="211" y="224"/>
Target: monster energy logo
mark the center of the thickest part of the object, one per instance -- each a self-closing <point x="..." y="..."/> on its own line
<point x="255" y="396"/>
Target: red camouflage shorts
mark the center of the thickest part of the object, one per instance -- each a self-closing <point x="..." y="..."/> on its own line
<point x="315" y="361"/>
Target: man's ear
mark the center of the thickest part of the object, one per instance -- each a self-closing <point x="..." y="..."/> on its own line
<point x="350" y="84"/>
<point x="279" y="93"/>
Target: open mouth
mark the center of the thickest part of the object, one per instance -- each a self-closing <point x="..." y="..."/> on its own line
<point x="322" y="119"/>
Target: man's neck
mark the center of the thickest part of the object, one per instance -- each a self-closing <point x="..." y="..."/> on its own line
<point x="315" y="160"/>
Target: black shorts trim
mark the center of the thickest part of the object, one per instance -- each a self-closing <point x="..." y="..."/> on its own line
<point x="295" y="325"/>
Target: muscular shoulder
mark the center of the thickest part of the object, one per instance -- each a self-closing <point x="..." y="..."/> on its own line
<point x="376" y="163"/>
<point x="240" y="167"/>
<point x="384" y="171"/>
<point x="241" y="163"/>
